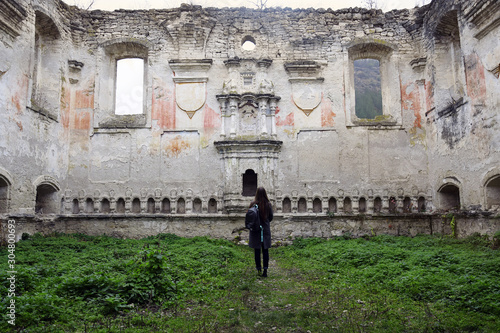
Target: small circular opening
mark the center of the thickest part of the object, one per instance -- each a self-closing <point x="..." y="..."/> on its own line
<point x="248" y="43"/>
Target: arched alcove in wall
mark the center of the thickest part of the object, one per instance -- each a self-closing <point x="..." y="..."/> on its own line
<point x="449" y="197"/>
<point x="46" y="199"/>
<point x="249" y="183"/>
<point x="4" y="194"/>
<point x="492" y="192"/>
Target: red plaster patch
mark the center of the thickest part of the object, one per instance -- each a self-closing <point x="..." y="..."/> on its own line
<point x="82" y="120"/>
<point x="175" y="147"/>
<point x="211" y="119"/>
<point x="476" y="82"/>
<point x="20" y="125"/>
<point x="17" y="103"/>
<point x="84" y="99"/>
<point x="410" y="101"/>
<point x="327" y="114"/>
<point x="163" y="108"/>
<point x="287" y="121"/>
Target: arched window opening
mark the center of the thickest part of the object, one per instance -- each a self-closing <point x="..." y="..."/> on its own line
<point x="129" y="93"/>
<point x="249" y="183"/>
<point x="136" y="206"/>
<point x="302" y="205"/>
<point x="362" y="205"/>
<point x="367" y="88"/>
<point x="165" y="206"/>
<point x="75" y="209"/>
<point x="105" y="206"/>
<point x="181" y="206"/>
<point x="46" y="199"/>
<point x="492" y="193"/>
<point x="120" y="206"/>
<point x="89" y="206"/>
<point x="347" y="205"/>
<point x="407" y="205"/>
<point x="151" y="206"/>
<point x="4" y="195"/>
<point x="421" y="204"/>
<point x="448" y="62"/>
<point x="45" y="78"/>
<point x="332" y="205"/>
<point x="392" y="205"/>
<point x="317" y="206"/>
<point x="248" y="43"/>
<point x="212" y="206"/>
<point x="377" y="205"/>
<point x="287" y="205"/>
<point x="197" y="206"/>
<point x="449" y="197"/>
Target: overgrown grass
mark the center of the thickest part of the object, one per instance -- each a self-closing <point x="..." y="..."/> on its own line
<point x="77" y="283"/>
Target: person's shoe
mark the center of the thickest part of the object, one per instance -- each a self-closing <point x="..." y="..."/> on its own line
<point x="258" y="271"/>
<point x="265" y="273"/>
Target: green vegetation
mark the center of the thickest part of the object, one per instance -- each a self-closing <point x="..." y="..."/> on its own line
<point x="367" y="85"/>
<point x="78" y="283"/>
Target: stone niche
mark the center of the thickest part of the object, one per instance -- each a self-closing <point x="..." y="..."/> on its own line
<point x="248" y="147"/>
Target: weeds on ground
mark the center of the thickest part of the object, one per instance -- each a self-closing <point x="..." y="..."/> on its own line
<point x="172" y="284"/>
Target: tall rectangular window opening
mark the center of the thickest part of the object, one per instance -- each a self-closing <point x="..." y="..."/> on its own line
<point x="129" y="93"/>
<point x="367" y="88"/>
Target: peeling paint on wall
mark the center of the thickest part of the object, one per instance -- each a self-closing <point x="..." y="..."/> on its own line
<point x="327" y="114"/>
<point x="289" y="120"/>
<point x="163" y="108"/>
<point x="476" y="83"/>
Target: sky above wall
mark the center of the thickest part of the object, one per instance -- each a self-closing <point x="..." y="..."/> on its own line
<point x="385" y="5"/>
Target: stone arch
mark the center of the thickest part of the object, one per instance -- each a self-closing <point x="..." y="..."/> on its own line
<point x="89" y="206"/>
<point x="46" y="195"/>
<point x="377" y="205"/>
<point x="407" y="205"/>
<point x="383" y="52"/>
<point x="393" y="204"/>
<point x="197" y="206"/>
<point x="332" y="205"/>
<point x="302" y="205"/>
<point x="317" y="205"/>
<point x="120" y="206"/>
<point x="5" y="186"/>
<point x="449" y="196"/>
<point x="362" y="205"/>
<point x="45" y="82"/>
<point x="347" y="205"/>
<point x="212" y="206"/>
<point x="421" y="204"/>
<point x="181" y="206"/>
<point x="151" y="206"/>
<point x="105" y="206"/>
<point x="287" y="205"/>
<point x="249" y="183"/>
<point x="165" y="206"/>
<point x="136" y="205"/>
<point x="492" y="192"/>
<point x="448" y="61"/>
<point x="75" y="206"/>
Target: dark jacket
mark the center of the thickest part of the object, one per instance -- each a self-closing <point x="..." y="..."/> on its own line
<point x="254" y="238"/>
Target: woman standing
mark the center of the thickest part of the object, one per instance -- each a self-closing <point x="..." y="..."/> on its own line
<point x="260" y="238"/>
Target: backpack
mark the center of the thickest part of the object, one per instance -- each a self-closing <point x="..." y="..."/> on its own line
<point x="252" y="218"/>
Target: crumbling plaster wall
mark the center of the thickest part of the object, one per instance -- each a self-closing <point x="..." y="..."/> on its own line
<point x="325" y="152"/>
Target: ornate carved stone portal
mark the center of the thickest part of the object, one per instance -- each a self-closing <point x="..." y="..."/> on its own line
<point x="248" y="130"/>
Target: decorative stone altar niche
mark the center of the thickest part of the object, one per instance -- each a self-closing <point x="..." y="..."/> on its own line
<point x="248" y="148"/>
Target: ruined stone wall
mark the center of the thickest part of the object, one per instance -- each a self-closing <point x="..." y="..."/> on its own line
<point x="214" y="113"/>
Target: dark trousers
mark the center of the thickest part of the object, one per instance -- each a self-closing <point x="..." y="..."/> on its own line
<point x="265" y="257"/>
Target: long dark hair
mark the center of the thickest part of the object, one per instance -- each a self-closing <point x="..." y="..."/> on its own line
<point x="262" y="200"/>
